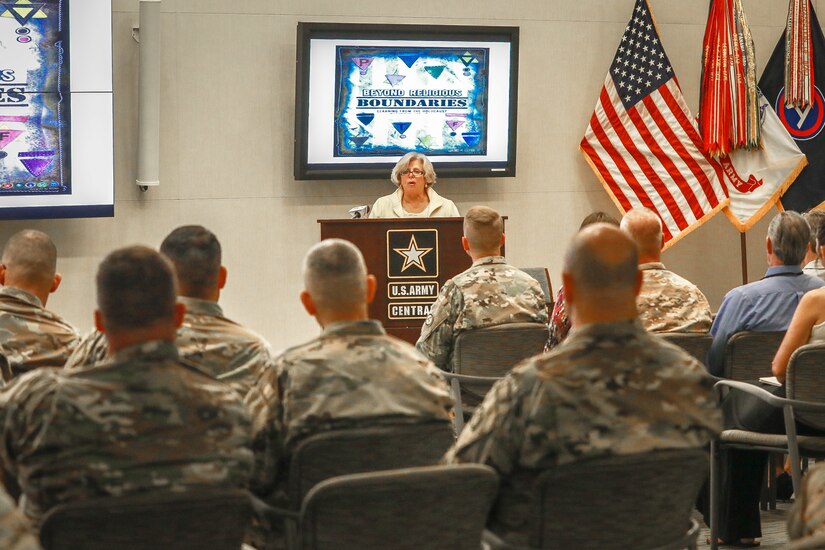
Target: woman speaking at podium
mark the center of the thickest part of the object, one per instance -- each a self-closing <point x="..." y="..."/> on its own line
<point x="414" y="197"/>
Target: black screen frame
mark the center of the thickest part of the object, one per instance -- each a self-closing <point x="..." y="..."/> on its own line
<point x="308" y="31"/>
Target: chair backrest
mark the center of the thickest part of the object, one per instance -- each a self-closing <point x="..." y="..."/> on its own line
<point x="805" y="380"/>
<point x="204" y="518"/>
<point x="696" y="344"/>
<point x="543" y="277"/>
<point x="493" y="351"/>
<point x="748" y="355"/>
<point x="437" y="508"/>
<point x="340" y="452"/>
<point x="641" y="501"/>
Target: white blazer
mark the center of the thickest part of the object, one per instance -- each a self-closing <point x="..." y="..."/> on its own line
<point x="389" y="206"/>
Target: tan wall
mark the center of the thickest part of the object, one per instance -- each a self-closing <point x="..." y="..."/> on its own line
<point x="227" y="130"/>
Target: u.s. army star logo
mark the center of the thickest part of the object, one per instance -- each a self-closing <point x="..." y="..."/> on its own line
<point x="413" y="255"/>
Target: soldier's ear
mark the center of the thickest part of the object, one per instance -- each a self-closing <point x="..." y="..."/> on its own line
<point x="465" y="244"/>
<point x="502" y="240"/>
<point x="2" y="274"/>
<point x="309" y="305"/>
<point x="222" y="273"/>
<point x="99" y="322"/>
<point x="569" y="287"/>
<point x="372" y="285"/>
<point x="179" y="312"/>
<point x="638" y="286"/>
<point x="56" y="282"/>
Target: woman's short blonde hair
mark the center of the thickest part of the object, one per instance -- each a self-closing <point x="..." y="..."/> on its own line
<point x="401" y="165"/>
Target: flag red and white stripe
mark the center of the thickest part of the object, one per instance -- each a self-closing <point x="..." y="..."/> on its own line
<point x="642" y="142"/>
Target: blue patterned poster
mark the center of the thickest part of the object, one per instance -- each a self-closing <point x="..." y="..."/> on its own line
<point x="392" y="100"/>
<point x="34" y="98"/>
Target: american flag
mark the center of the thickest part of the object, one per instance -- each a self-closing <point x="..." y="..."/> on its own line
<point x="642" y="142"/>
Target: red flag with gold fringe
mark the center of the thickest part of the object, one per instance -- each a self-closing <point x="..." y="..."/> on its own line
<point x="728" y="105"/>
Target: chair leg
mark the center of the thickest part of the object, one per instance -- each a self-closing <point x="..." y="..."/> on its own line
<point x="714" y="494"/>
<point x="793" y="449"/>
<point x="764" y="494"/>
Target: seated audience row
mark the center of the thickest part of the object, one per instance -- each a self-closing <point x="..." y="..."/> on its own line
<point x="216" y="344"/>
<point x="610" y="388"/>
<point x="141" y="407"/>
<point x="666" y="301"/>
<point x="142" y="419"/>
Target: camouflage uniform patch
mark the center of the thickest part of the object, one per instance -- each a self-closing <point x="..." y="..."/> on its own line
<point x="608" y="389"/>
<point x="219" y="346"/>
<point x="490" y="293"/>
<point x="670" y="303"/>
<point x="30" y="335"/>
<point x="142" y="420"/>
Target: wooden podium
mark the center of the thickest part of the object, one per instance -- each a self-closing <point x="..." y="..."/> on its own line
<point x="411" y="258"/>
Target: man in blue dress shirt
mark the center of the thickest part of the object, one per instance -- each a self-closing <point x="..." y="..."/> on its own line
<point x="764" y="305"/>
<point x="768" y="304"/>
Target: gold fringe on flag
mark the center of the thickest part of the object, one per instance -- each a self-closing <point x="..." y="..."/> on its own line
<point x="729" y="104"/>
<point x="799" y="63"/>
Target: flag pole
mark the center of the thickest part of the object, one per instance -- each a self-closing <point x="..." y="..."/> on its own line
<point x="744" y="254"/>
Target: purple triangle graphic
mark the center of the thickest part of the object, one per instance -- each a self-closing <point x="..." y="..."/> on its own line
<point x="8" y="135"/>
<point x="453" y="124"/>
<point x="395" y="78"/>
<point x="362" y="63"/>
<point x="37" y="166"/>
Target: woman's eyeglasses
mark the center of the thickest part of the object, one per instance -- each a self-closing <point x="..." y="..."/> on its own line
<point x="415" y="172"/>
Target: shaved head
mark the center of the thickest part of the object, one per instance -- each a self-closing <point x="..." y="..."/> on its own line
<point x="335" y="276"/>
<point x="644" y="227"/>
<point x="602" y="263"/>
<point x="30" y="256"/>
<point x="483" y="227"/>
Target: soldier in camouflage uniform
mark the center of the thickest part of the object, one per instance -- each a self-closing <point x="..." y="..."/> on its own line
<point x="219" y="346"/>
<point x="142" y="420"/>
<point x="352" y="376"/>
<point x="490" y="293"/>
<point x="610" y="388"/>
<point x="30" y="335"/>
<point x="667" y="302"/>
<point x="806" y="519"/>
<point x="15" y="533"/>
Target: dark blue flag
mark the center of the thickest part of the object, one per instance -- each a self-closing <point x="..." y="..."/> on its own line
<point x="804" y="125"/>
